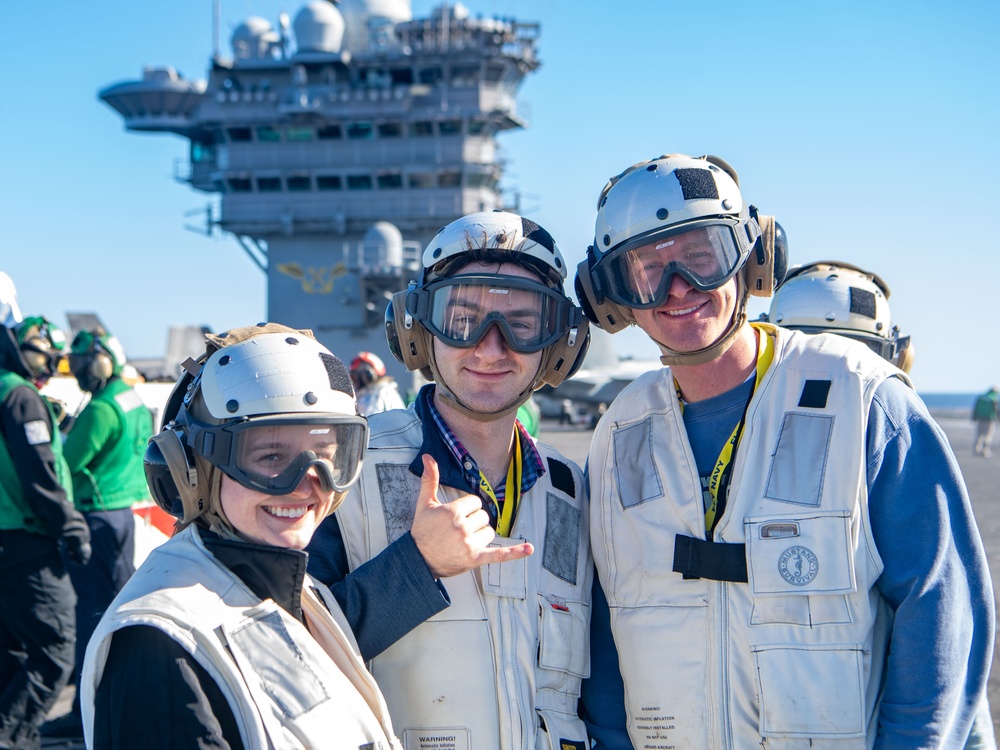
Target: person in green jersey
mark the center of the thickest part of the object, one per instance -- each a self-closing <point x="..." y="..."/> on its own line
<point x="104" y="450"/>
<point x="36" y="516"/>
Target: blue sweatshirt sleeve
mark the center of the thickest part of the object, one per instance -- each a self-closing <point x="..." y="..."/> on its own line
<point x="935" y="577"/>
<point x="602" y="697"/>
<point x="386" y="597"/>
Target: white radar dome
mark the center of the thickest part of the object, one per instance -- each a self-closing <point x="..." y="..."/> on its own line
<point x="319" y="27"/>
<point x="253" y="39"/>
<point x="456" y="11"/>
<point x="360" y="14"/>
<point x="383" y="245"/>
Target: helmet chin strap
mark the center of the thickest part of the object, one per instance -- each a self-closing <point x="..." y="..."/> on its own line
<point x="721" y="345"/>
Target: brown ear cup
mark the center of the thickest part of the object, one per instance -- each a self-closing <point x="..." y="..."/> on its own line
<point x="601" y="311"/>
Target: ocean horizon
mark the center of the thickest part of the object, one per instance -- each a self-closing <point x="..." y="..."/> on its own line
<point x="949" y="401"/>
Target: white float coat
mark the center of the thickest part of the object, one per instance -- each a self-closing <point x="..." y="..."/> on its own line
<point x="286" y="688"/>
<point x="509" y="653"/>
<point x="795" y="655"/>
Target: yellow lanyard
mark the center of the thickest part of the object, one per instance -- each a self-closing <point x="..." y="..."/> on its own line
<point x="722" y="464"/>
<point x="505" y="515"/>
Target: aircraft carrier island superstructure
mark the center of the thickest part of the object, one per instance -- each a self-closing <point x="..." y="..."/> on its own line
<point x="339" y="153"/>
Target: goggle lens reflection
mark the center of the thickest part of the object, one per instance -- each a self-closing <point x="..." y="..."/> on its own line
<point x="706" y="257"/>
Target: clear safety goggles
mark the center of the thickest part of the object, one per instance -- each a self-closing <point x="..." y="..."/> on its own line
<point x="273" y="454"/>
<point x="638" y="275"/>
<point x="459" y="310"/>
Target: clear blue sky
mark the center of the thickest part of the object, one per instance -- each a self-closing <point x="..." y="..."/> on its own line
<point x="868" y="129"/>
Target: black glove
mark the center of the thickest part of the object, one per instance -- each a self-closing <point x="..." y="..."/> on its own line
<point x="78" y="549"/>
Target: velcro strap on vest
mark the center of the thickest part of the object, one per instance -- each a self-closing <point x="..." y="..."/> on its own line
<point x="697" y="558"/>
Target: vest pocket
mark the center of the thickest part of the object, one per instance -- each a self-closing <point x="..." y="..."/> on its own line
<point x="265" y="650"/>
<point x="795" y="696"/>
<point x="800" y="554"/>
<point x="507" y="579"/>
<point x="564" y="643"/>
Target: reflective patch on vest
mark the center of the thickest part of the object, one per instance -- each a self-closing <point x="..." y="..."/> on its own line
<point x="37" y="432"/>
<point x="562" y="538"/>
<point x="272" y="654"/>
<point x="798" y="464"/>
<point x="128" y="401"/>
<point x="635" y="471"/>
<point x="398" y="488"/>
<point x="561" y="477"/>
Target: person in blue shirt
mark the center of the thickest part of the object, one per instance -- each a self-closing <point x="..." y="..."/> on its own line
<point x="785" y="550"/>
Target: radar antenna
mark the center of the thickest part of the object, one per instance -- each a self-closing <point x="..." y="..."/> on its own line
<point x="283" y="24"/>
<point x="216" y="24"/>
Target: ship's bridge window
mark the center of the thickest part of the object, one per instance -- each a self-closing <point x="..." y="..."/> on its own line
<point x="239" y="135"/>
<point x="268" y="134"/>
<point x="268" y="184"/>
<point x="450" y="127"/>
<point x="464" y="75"/>
<point x="402" y="76"/>
<point x="328" y="182"/>
<point x="239" y="185"/>
<point x="390" y="130"/>
<point x="421" y="128"/>
<point x="360" y="130"/>
<point x="359" y="182"/>
<point x="202" y="152"/>
<point x="329" y="132"/>
<point x="450" y="179"/>
<point x="430" y="76"/>
<point x="299" y="134"/>
<point x="477" y="127"/>
<point x="390" y="181"/>
<point x="298" y="183"/>
<point x="493" y="73"/>
<point x="421" y="180"/>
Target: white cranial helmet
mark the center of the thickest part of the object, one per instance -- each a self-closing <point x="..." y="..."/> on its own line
<point x="490" y="239"/>
<point x="837" y="297"/>
<point x="649" y="220"/>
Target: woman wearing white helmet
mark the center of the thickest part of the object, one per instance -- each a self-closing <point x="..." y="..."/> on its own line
<point x="221" y="638"/>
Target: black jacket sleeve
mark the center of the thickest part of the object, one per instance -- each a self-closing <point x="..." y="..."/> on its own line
<point x="385" y="598"/>
<point x="154" y="695"/>
<point x="28" y="430"/>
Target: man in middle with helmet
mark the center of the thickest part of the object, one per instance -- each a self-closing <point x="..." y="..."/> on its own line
<point x="501" y="666"/>
<point x="786" y="551"/>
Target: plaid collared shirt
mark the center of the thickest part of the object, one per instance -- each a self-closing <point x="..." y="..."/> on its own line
<point x="532" y="466"/>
